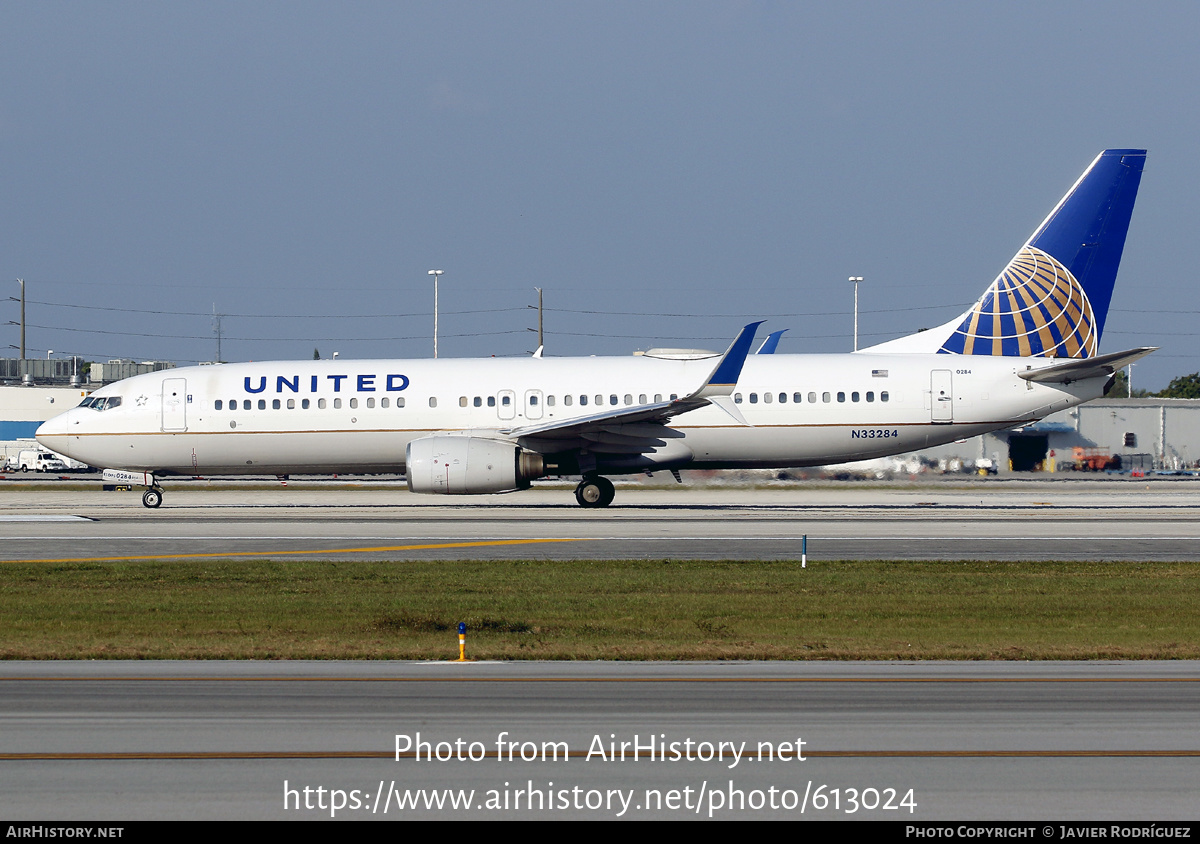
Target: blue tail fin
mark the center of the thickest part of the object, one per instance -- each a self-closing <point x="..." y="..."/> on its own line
<point x="1052" y="298"/>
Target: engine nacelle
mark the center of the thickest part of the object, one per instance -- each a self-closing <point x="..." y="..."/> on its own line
<point x="461" y="465"/>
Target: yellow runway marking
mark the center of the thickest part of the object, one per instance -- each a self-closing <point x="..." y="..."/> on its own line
<point x="379" y="550"/>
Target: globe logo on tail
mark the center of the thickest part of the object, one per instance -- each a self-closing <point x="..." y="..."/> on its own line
<point x="1036" y="308"/>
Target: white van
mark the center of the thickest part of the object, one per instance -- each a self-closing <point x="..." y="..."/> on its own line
<point x="38" y="461"/>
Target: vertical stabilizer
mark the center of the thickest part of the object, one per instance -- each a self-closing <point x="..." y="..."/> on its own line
<point x="1052" y="298"/>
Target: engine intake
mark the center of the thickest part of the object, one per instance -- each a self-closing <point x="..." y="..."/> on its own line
<point x="461" y="465"/>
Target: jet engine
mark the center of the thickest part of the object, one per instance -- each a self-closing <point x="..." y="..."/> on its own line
<point x="462" y="465"/>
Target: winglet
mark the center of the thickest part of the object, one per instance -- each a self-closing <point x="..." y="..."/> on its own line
<point x="724" y="377"/>
<point x="768" y="346"/>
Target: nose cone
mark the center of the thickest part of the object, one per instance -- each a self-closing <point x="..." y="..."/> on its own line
<point x="53" y="434"/>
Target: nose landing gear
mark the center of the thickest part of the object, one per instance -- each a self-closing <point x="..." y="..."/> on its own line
<point x="594" y="491"/>
<point x="152" y="497"/>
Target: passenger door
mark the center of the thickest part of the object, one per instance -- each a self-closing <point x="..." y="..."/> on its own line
<point x="941" y="396"/>
<point x="174" y="404"/>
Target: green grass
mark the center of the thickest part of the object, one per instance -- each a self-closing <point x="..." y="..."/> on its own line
<point x="663" y="609"/>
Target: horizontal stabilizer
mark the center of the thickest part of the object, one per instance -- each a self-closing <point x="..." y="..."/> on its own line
<point x="1078" y="370"/>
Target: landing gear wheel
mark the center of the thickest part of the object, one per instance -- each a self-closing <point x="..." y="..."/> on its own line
<point x="594" y="492"/>
<point x="152" y="498"/>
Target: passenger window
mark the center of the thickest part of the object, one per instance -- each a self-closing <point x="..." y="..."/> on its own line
<point x="533" y="401"/>
<point x="737" y="398"/>
<point x="766" y="398"/>
<point x="674" y="396"/>
<point x="825" y="397"/>
<point x="262" y="404"/>
<point x="433" y="401"/>
<point x="812" y="398"/>
<point x="754" y="398"/>
<point x="321" y="404"/>
<point x="870" y="396"/>
<point x="337" y="404"/>
<point x="370" y="402"/>
<point x="477" y="401"/>
<point x="246" y="404"/>
<point x="217" y="405"/>
<point x="883" y="396"/>
<point x="491" y="401"/>
<point x="628" y="399"/>
<point x="854" y="396"/>
<point x="582" y="401"/>
<point x="354" y="402"/>
<point x="796" y="398"/>
<point x="567" y="400"/>
<point x="462" y="401"/>
<point x="275" y="404"/>
<point x="304" y="403"/>
<point x="600" y="400"/>
<point x="399" y="401"/>
<point x="504" y="400"/>
<point x="549" y="401"/>
<point x="783" y="398"/>
<point x="291" y="404"/>
<point x="657" y="398"/>
<point x="641" y="398"/>
<point x="382" y="402"/>
<point x="841" y="396"/>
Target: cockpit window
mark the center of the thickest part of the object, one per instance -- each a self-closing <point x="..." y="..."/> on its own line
<point x="101" y="402"/>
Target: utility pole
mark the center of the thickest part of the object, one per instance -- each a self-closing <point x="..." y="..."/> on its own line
<point x="540" y="343"/>
<point x="217" y="330"/>
<point x="21" y="282"/>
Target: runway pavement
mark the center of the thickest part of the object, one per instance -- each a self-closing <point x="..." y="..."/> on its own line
<point x="935" y="741"/>
<point x="938" y="741"/>
<point x="1152" y="520"/>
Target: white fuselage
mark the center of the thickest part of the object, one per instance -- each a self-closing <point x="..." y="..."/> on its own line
<point x="323" y="417"/>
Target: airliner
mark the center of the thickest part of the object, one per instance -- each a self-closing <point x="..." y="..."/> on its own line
<point x="1028" y="347"/>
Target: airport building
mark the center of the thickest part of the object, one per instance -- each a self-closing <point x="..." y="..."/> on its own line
<point x="1107" y="434"/>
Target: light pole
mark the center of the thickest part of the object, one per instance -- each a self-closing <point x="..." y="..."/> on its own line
<point x="435" y="274"/>
<point x="855" y="279"/>
<point x="48" y="353"/>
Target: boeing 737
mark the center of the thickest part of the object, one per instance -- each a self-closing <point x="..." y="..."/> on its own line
<point x="1027" y="348"/>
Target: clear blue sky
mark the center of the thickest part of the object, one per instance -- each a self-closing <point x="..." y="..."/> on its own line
<point x="666" y="171"/>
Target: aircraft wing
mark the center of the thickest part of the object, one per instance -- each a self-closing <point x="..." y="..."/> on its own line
<point x="641" y="428"/>
<point x="1077" y="369"/>
<point x="771" y="343"/>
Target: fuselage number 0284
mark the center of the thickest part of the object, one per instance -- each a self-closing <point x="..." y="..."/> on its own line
<point x="873" y="433"/>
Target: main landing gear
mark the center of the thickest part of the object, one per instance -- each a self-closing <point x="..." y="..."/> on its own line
<point x="594" y="491"/>
<point x="152" y="497"/>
